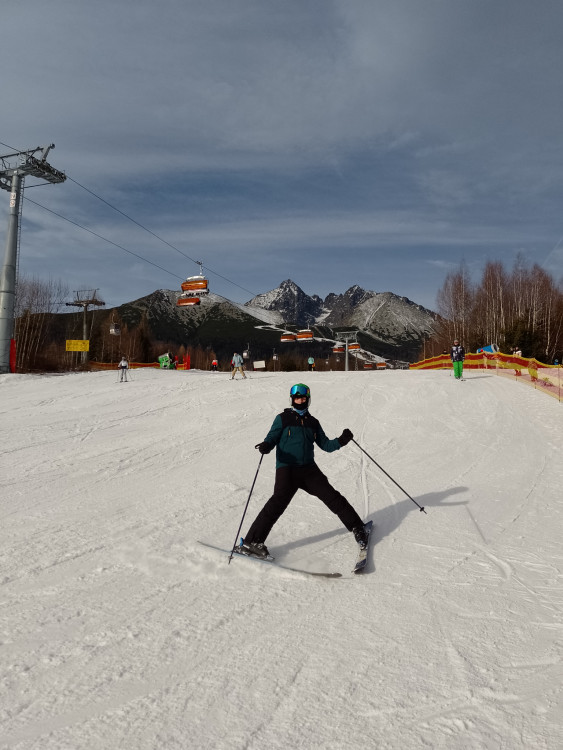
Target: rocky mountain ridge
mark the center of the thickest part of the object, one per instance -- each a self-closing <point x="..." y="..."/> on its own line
<point x="389" y="326"/>
<point x="383" y="314"/>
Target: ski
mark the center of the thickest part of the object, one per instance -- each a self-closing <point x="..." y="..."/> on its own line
<point x="271" y="561"/>
<point x="361" y="560"/>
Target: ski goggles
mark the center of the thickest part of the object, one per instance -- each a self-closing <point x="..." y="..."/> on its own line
<point x="300" y="390"/>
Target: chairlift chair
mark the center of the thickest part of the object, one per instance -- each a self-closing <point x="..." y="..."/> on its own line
<point x="305" y="335"/>
<point x="188" y="301"/>
<point x="196" y="285"/>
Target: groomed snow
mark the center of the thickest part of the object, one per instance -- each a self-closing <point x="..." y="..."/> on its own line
<point x="118" y="631"/>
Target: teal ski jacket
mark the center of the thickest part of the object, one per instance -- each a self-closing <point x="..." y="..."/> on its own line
<point x="295" y="436"/>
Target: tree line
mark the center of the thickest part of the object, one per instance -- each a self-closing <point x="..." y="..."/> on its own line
<point x="41" y="333"/>
<point x="517" y="309"/>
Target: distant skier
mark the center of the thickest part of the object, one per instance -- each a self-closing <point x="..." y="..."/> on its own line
<point x="123" y="366"/>
<point x="237" y="366"/>
<point x="457" y="355"/>
<point x="293" y="434"/>
<point x="311" y="364"/>
<point x="214" y="365"/>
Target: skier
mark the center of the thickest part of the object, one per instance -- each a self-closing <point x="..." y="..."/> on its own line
<point x="293" y="434"/>
<point x="214" y="365"/>
<point x="311" y="364"/>
<point x="237" y="366"/>
<point x="123" y="366"/>
<point x="457" y="355"/>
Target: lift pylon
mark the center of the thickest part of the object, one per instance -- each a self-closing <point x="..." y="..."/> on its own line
<point x="14" y="168"/>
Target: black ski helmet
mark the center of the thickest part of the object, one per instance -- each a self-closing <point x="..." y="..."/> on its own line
<point x="300" y="389"/>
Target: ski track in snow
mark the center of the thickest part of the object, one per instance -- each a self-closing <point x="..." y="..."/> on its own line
<point x="118" y="630"/>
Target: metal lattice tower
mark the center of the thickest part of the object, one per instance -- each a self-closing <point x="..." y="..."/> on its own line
<point x="14" y="168"/>
<point x="85" y="298"/>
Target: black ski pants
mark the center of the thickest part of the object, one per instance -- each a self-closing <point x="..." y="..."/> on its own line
<point x="309" y="478"/>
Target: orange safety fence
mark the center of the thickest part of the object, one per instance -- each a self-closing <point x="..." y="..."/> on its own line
<point x="135" y="365"/>
<point x="547" y="378"/>
<point x="113" y="365"/>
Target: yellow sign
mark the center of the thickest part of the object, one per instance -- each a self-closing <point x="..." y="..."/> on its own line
<point x="77" y="345"/>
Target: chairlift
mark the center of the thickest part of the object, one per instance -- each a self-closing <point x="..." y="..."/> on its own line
<point x="188" y="301"/>
<point x="354" y="347"/>
<point x="288" y="337"/>
<point x="338" y="349"/>
<point x="305" y="335"/>
<point x="194" y="287"/>
<point x="195" y="284"/>
<point x="115" y="329"/>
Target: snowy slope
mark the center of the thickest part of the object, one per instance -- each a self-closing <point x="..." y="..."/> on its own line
<point x="118" y="630"/>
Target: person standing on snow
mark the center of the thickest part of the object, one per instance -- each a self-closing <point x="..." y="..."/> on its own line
<point x="311" y="364"/>
<point x="237" y="366"/>
<point x="293" y="434"/>
<point x="457" y="355"/>
<point x="123" y="366"/>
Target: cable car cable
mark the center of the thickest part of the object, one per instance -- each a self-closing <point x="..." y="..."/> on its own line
<point x="119" y="211"/>
<point x="229" y="281"/>
<point x="105" y="239"/>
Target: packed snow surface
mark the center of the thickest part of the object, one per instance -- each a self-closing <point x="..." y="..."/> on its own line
<point x="118" y="631"/>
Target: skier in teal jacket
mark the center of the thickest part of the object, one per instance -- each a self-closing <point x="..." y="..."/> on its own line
<point x="294" y="434"/>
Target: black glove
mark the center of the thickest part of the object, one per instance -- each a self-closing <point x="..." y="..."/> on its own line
<point x="264" y="447"/>
<point x="345" y="438"/>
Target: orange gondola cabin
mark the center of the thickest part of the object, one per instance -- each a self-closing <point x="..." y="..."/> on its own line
<point x="288" y="337"/>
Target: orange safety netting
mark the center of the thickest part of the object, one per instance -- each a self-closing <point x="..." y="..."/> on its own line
<point x="544" y="377"/>
<point x="113" y="365"/>
<point x="135" y="365"/>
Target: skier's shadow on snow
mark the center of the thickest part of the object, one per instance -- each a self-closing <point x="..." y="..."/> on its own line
<point x="385" y="521"/>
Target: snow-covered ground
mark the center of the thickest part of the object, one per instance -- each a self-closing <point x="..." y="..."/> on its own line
<point x="118" y="631"/>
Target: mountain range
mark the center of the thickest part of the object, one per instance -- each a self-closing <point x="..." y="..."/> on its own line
<point x="389" y="326"/>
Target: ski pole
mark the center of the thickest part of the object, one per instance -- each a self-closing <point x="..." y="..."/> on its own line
<point x="246" y="508"/>
<point x="388" y="475"/>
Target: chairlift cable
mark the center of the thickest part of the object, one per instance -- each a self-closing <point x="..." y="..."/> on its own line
<point x="76" y="224"/>
<point x="99" y="236"/>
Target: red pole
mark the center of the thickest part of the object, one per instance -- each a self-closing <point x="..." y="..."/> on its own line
<point x="12" y="355"/>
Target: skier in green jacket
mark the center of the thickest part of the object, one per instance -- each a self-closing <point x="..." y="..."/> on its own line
<point x="294" y="434"/>
<point x="457" y="355"/>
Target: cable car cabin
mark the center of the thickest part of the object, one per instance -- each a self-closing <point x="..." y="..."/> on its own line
<point x="305" y="335"/>
<point x="188" y="301"/>
<point x="338" y="349"/>
<point x="353" y="347"/>
<point x="288" y="337"/>
<point x="115" y="329"/>
<point x="197" y="284"/>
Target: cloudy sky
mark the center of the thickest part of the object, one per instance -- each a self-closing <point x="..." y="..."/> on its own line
<point x="334" y="142"/>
